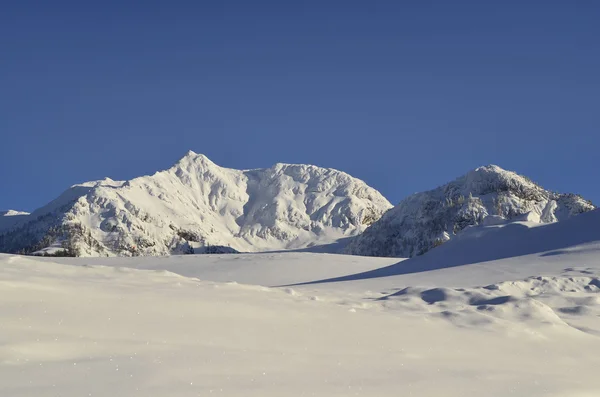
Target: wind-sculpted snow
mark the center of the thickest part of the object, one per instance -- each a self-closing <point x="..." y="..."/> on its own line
<point x="542" y="246"/>
<point x="487" y="195"/>
<point x="198" y="206"/>
<point x="501" y="310"/>
<point x="524" y="326"/>
<point x="571" y="300"/>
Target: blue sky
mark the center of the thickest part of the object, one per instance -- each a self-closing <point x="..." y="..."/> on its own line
<point x="406" y="95"/>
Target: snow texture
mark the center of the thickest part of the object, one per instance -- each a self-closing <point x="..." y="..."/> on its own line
<point x="502" y="310"/>
<point x="487" y="195"/>
<point x="197" y="206"/>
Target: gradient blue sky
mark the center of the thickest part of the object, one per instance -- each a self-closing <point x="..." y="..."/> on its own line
<point x="405" y="95"/>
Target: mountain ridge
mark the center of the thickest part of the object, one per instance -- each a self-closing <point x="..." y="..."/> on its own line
<point x="484" y="195"/>
<point x="197" y="204"/>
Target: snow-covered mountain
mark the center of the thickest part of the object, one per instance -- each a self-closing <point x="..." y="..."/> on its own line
<point x="198" y="205"/>
<point x="487" y="195"/>
<point x="13" y="213"/>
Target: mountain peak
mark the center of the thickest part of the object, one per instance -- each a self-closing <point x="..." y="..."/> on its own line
<point x="492" y="171"/>
<point x="193" y="158"/>
<point x="490" y="168"/>
<point x="486" y="179"/>
<point x="197" y="205"/>
<point x="483" y="195"/>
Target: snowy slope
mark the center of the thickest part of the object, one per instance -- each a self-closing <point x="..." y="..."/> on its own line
<point x="488" y="274"/>
<point x="197" y="205"/>
<point x="500" y="310"/>
<point x="490" y="254"/>
<point x="486" y="195"/>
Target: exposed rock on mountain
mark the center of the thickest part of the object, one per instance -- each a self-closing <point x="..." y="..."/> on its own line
<point x="486" y="195"/>
<point x="197" y="205"/>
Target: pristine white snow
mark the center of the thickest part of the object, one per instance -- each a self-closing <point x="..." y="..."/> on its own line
<point x="197" y="204"/>
<point x="501" y="310"/>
